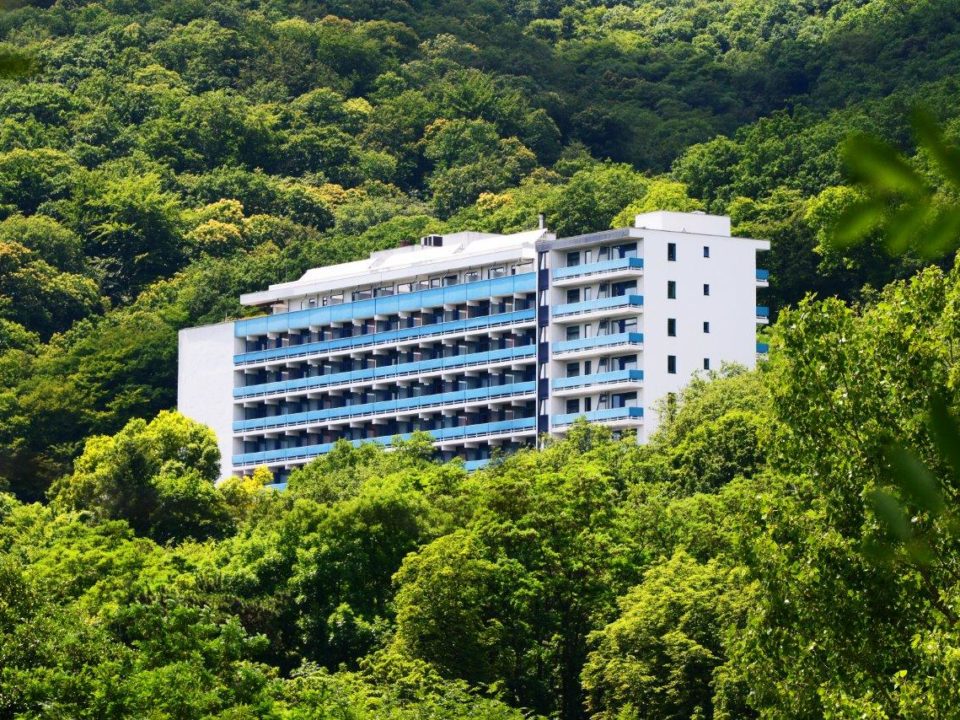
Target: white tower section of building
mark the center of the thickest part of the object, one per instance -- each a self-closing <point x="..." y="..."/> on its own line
<point x="712" y="317"/>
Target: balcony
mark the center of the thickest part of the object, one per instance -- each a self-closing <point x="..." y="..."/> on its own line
<point x="609" y="307"/>
<point x="422" y="368"/>
<point x="763" y="315"/>
<point x="385" y="408"/>
<point x="763" y="278"/>
<point x="465" y="327"/>
<point x="614" y="417"/>
<point x="588" y="384"/>
<point x="762" y="348"/>
<point x="299" y="455"/>
<point x="598" y="345"/>
<point x="605" y="270"/>
<point x="511" y="285"/>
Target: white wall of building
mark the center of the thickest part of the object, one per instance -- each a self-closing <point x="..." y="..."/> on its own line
<point x="205" y="382"/>
<point x="730" y="308"/>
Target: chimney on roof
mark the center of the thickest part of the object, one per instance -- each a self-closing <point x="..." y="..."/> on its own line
<point x="541" y="221"/>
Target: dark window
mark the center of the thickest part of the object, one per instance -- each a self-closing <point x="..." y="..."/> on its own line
<point x="706" y="251"/>
<point x="672" y="327"/>
<point x="706" y="288"/>
<point x="573" y="296"/>
<point x="672" y="364"/>
<point x="671" y="289"/>
<point x="573" y="369"/>
<point x="706" y="363"/>
<point x="573" y="332"/>
<point x="706" y="326"/>
<point x="573" y="259"/>
<point x="573" y="406"/>
<point x="671" y="252"/>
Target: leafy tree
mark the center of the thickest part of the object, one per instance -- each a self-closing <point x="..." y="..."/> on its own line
<point x="661" y="657"/>
<point x="158" y="476"/>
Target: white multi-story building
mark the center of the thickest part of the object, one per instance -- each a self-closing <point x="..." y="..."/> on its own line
<point x="482" y="340"/>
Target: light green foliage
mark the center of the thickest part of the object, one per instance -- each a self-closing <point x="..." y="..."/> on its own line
<point x="661" y="194"/>
<point x="158" y="476"/>
<point x="660" y="657"/>
<point x="759" y="558"/>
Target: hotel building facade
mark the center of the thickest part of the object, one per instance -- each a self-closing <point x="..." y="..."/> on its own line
<point x="482" y="340"/>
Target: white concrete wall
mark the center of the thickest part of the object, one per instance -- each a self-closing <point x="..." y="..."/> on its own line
<point x="730" y="309"/>
<point x="205" y="382"/>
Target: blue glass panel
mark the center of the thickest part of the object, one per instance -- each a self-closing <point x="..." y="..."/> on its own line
<point x="597" y="304"/>
<point x="597" y="267"/>
<point x="599" y="415"/>
<point x="598" y="341"/>
<point x="598" y="379"/>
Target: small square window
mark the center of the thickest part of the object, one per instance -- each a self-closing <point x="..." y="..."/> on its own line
<point x="671" y="289"/>
<point x="672" y="364"/>
<point x="573" y="332"/>
<point x="671" y="327"/>
<point x="573" y="369"/>
<point x="573" y="259"/>
<point x="573" y="406"/>
<point x="706" y="251"/>
<point x="671" y="252"/>
<point x="573" y="296"/>
<point x="706" y="363"/>
<point x="706" y="326"/>
<point x="706" y="288"/>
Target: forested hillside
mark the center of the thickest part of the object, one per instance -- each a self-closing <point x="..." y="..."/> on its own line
<point x="160" y="158"/>
<point x="166" y="156"/>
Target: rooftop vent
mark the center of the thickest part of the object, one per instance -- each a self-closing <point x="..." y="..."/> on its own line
<point x="432" y="241"/>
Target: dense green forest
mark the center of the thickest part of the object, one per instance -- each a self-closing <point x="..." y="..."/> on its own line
<point x="157" y="159"/>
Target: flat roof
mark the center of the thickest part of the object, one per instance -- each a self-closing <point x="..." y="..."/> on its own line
<point x="459" y="250"/>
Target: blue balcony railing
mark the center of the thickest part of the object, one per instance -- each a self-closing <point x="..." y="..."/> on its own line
<point x="388" y="371"/>
<point x="443" y="434"/>
<point x="762" y="311"/>
<point x="381" y="338"/>
<point x="586" y="306"/>
<point x="598" y="379"/>
<point x="385" y="406"/>
<point x="620" y="413"/>
<point x="633" y="338"/>
<point x="390" y="305"/>
<point x="597" y="268"/>
<point x="763" y="275"/>
<point x="763" y="348"/>
<point x="471" y="465"/>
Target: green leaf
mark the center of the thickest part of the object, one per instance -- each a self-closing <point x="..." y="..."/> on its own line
<point x="856" y="221"/>
<point x="891" y="514"/>
<point x="928" y="135"/>
<point x="915" y="480"/>
<point x="943" y="235"/>
<point x="881" y="166"/>
<point x="904" y="226"/>
<point x="946" y="433"/>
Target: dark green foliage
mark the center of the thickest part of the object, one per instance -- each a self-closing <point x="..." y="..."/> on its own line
<point x="785" y="546"/>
